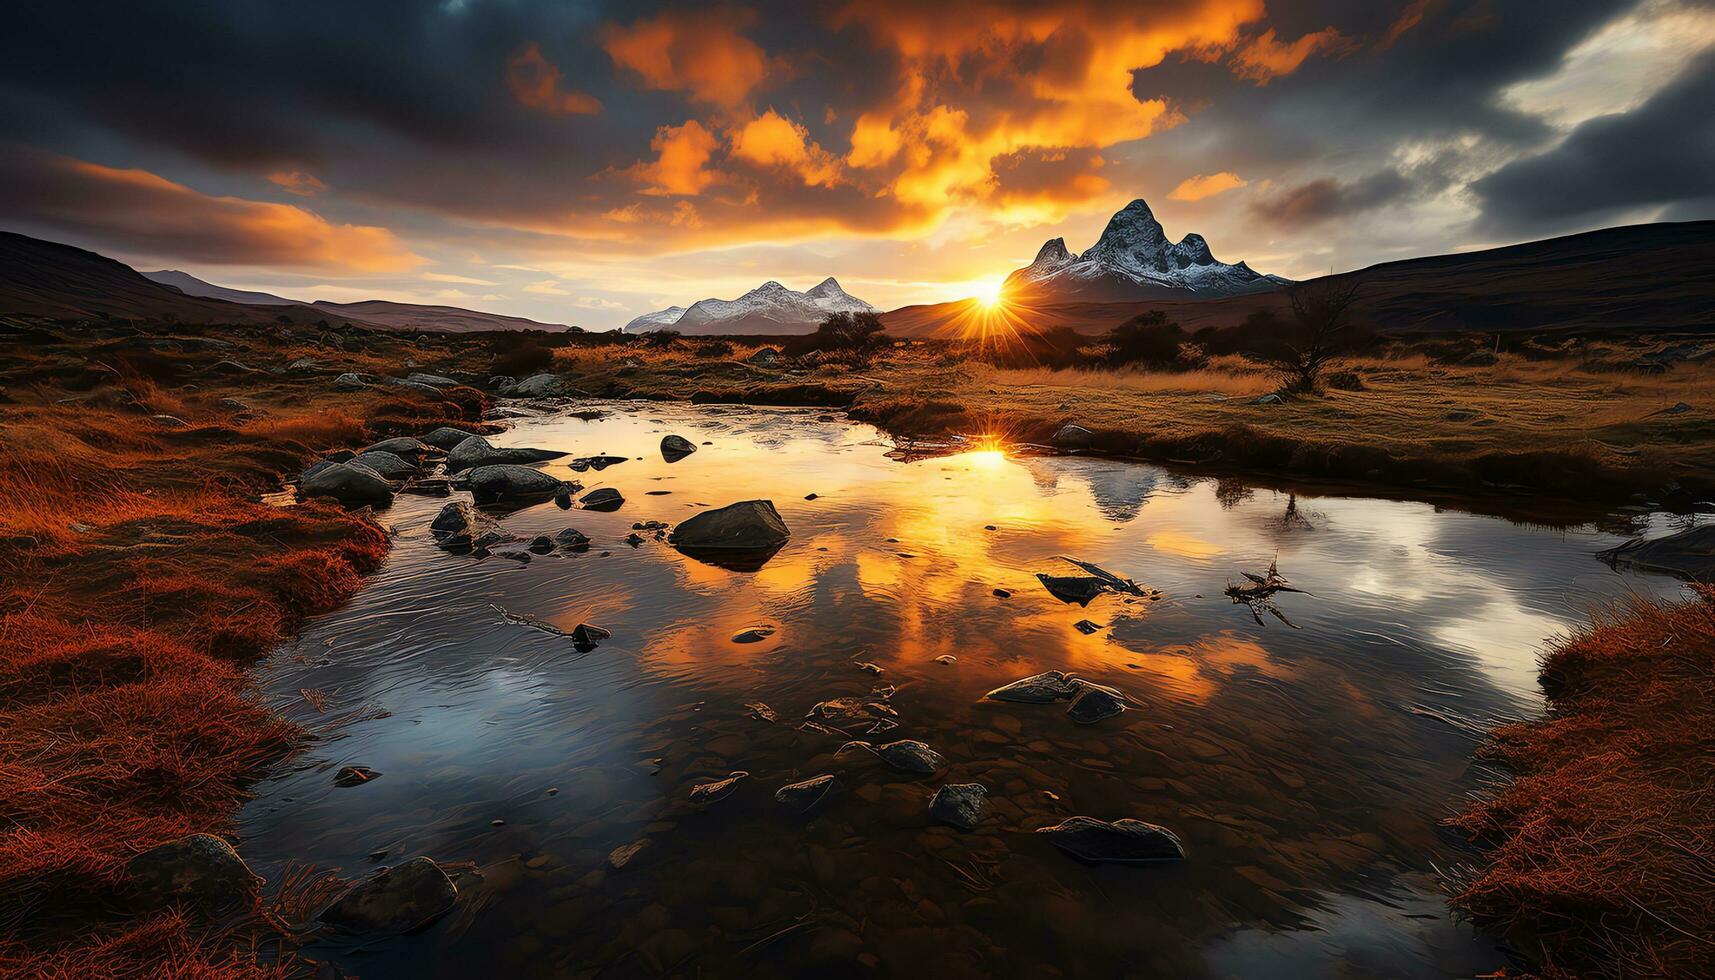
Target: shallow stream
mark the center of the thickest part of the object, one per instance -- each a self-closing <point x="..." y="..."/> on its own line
<point x="1306" y="770"/>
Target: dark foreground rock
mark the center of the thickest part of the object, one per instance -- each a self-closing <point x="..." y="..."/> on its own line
<point x="458" y="525"/>
<point x="1093" y="704"/>
<point x="387" y="464"/>
<point x="960" y="804"/>
<point x="718" y="790"/>
<point x="404" y="447"/>
<point x="1688" y="554"/>
<point x="351" y="485"/>
<point x="1120" y="842"/>
<point x="906" y="755"/>
<point x="806" y="795"/>
<point x="394" y="900"/>
<point x="602" y="499"/>
<point x="749" y="525"/>
<point x="509" y="482"/>
<point x="200" y="870"/>
<point x="1072" y="588"/>
<point x="675" y="448"/>
<point x="477" y="451"/>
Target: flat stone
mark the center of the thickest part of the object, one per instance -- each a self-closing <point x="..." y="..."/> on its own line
<point x="602" y="499"/>
<point x="354" y="776"/>
<point x="394" y="900"/>
<point x="1048" y="686"/>
<point x="1093" y="704"/>
<point x="1120" y="842"/>
<point x="718" y="790"/>
<point x="960" y="804"/>
<point x="804" y="796"/>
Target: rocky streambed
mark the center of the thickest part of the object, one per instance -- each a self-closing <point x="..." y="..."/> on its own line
<point x="675" y="689"/>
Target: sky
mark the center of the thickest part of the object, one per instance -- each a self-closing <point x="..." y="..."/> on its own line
<point x="586" y="162"/>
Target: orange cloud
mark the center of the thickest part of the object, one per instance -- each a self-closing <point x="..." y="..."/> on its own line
<point x="1263" y="58"/>
<point x="700" y="53"/>
<point x="772" y="140"/>
<point x="681" y="160"/>
<point x="537" y="84"/>
<point x="137" y="211"/>
<point x="299" y="182"/>
<point x="1206" y="185"/>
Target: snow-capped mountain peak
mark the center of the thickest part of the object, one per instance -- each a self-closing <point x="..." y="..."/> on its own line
<point x="769" y="308"/>
<point x="1134" y="258"/>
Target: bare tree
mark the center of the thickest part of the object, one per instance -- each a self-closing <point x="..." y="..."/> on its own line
<point x="1320" y="333"/>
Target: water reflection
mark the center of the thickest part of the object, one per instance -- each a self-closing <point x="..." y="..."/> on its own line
<point x="1304" y="769"/>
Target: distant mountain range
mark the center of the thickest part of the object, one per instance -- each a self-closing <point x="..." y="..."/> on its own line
<point x="378" y="312"/>
<point x="1133" y="259"/>
<point x="1634" y="279"/>
<point x="768" y="309"/>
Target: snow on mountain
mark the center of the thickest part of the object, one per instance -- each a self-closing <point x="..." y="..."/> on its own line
<point x="1133" y="259"/>
<point x="768" y="309"/>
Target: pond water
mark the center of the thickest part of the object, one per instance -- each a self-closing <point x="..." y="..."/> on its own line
<point x="1306" y="770"/>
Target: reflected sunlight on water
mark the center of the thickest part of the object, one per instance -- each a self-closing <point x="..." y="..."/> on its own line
<point x="1306" y="770"/>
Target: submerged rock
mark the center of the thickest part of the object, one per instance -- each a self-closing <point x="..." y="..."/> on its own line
<point x="541" y="544"/>
<point x="960" y="804"/>
<point x="718" y="790"/>
<point x="753" y="634"/>
<point x="597" y="463"/>
<point x="1689" y="554"/>
<point x="348" y="484"/>
<point x="906" y="755"/>
<point x="394" y="900"/>
<point x="1043" y="688"/>
<point x="201" y="870"/>
<point x="804" y="796"/>
<point x="457" y="525"/>
<point x="1120" y="842"/>
<point x="507" y="481"/>
<point x="354" y="776"/>
<point x="1093" y="704"/>
<point x="749" y="525"/>
<point x="1086" y="627"/>
<point x="602" y="499"/>
<point x="1072" y="588"/>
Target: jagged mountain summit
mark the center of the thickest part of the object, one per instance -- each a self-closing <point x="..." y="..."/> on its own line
<point x="768" y="309"/>
<point x="1134" y="260"/>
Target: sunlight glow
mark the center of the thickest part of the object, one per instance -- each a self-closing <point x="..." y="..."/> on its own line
<point x="989" y="294"/>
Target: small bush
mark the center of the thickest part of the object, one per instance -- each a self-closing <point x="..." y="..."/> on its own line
<point x="525" y="359"/>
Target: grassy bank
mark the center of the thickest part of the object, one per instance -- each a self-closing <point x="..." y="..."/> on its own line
<point x="1601" y="849"/>
<point x="1573" y="426"/>
<point x="142" y="577"/>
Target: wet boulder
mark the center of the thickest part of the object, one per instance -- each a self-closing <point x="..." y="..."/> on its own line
<point x="749" y="525"/>
<point x="458" y="525"/>
<point x="602" y="498"/>
<point x="510" y="482"/>
<point x="405" y="447"/>
<point x="349" y="484"/>
<point x="200" y="870"/>
<point x="572" y="539"/>
<point x="1043" y="688"/>
<point x="539" y="386"/>
<point x="446" y="437"/>
<point x="432" y="380"/>
<point x="1120" y="842"/>
<point x="393" y="900"/>
<point x="806" y="795"/>
<point x="1094" y="703"/>
<point x="960" y="804"/>
<point x="675" y="448"/>
<point x="1688" y="554"/>
<point x="476" y="451"/>
<point x="388" y="465"/>
<point x="1070" y="436"/>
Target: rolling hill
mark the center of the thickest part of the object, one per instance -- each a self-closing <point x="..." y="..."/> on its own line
<point x="1637" y="278"/>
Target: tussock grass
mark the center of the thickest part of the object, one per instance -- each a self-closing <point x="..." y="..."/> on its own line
<point x="1601" y="849"/>
<point x="139" y="578"/>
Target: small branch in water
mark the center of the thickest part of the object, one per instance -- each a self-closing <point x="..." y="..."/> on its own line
<point x="1259" y="595"/>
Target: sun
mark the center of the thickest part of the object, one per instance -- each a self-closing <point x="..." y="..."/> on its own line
<point x="989" y="293"/>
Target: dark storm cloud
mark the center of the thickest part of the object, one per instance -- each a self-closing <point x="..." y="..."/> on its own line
<point x="1661" y="153"/>
<point x="1316" y="201"/>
